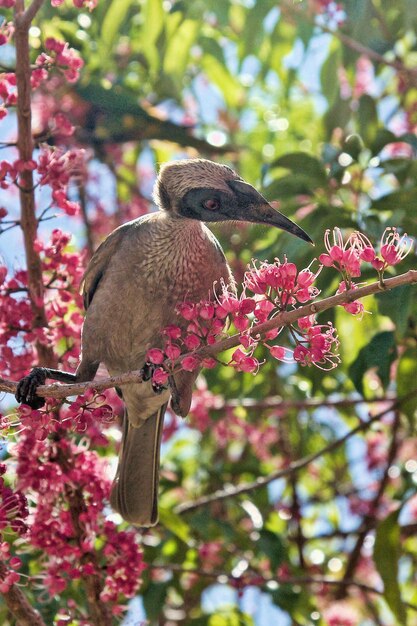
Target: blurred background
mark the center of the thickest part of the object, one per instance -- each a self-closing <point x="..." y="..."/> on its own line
<point x="313" y="102"/>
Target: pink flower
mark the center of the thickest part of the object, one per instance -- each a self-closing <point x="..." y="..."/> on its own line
<point x="192" y="342"/>
<point x="344" y="256"/>
<point x="173" y="332"/>
<point x="172" y="351"/>
<point x="188" y="311"/>
<point x="394" y="248"/>
<point x="355" y="307"/>
<point x="244" y="362"/>
<point x="278" y="352"/>
<point x="341" y="614"/>
<point x="160" y="376"/>
<point x="206" y="310"/>
<point x="156" y="356"/>
<point x="190" y="363"/>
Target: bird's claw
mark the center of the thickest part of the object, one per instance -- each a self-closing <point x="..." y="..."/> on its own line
<point x="27" y="386"/>
<point x="147" y="373"/>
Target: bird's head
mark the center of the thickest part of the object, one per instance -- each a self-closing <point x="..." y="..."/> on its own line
<point x="210" y="192"/>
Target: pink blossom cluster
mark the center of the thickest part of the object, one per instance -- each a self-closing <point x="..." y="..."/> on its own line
<point x="13" y="507"/>
<point x="376" y="449"/>
<point x="275" y="288"/>
<point x="347" y="256"/>
<point x="62" y="471"/>
<point x="61" y="56"/>
<point x="62" y="271"/>
<point x="341" y="614"/>
<point x="9" y="172"/>
<point x="11" y="576"/>
<point x="7" y="87"/>
<point x="56" y="167"/>
<point x="87" y="411"/>
<point x="269" y="289"/>
<point x="80" y="4"/>
<point x="201" y="325"/>
<point x="261" y="437"/>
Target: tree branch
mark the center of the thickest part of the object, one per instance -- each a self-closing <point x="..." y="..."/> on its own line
<point x="369" y="520"/>
<point x="351" y="43"/>
<point x="285" y="318"/>
<point x="276" y="402"/>
<point x="32" y="10"/>
<point x="253" y="578"/>
<point x="261" y="481"/>
<point x="28" y="219"/>
<point x="18" y="604"/>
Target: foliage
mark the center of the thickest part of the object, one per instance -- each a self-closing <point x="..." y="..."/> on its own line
<point x="314" y="102"/>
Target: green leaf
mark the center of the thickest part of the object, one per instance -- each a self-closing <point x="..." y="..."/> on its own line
<point x="304" y="164"/>
<point x="329" y="78"/>
<point x="219" y="74"/>
<point x="379" y="353"/>
<point x="154" y="599"/>
<point x="289" y="186"/>
<point x="153" y="19"/>
<point x="388" y="305"/>
<point x="353" y="145"/>
<point x="406" y="382"/>
<point x="404" y="199"/>
<point x="386" y="556"/>
<point x="272" y="546"/>
<point x="178" y="48"/>
<point x="115" y="15"/>
<point x="368" y="119"/>
<point x="175" y="524"/>
<point x="286" y="598"/>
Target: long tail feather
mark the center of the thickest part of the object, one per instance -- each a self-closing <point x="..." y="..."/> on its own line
<point x="134" y="491"/>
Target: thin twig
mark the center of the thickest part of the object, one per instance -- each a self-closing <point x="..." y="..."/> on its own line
<point x="234" y="490"/>
<point x="250" y="578"/>
<point x="276" y="402"/>
<point x="369" y="519"/>
<point x="350" y="42"/>
<point x="18" y="604"/>
<point x="31" y="11"/>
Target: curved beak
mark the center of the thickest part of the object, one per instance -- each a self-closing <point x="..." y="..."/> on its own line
<point x="253" y="207"/>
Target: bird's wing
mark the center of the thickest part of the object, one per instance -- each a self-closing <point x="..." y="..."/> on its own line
<point x="98" y="264"/>
<point x="104" y="254"/>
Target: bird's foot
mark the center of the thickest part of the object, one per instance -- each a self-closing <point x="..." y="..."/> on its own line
<point x="147" y="374"/>
<point x="27" y="386"/>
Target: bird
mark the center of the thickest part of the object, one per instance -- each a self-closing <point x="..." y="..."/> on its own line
<point x="132" y="287"/>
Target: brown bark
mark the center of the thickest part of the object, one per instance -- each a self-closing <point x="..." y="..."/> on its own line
<point x="18" y="604"/>
<point x="28" y="219"/>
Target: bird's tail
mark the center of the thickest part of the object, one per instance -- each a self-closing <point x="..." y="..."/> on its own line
<point x="134" y="492"/>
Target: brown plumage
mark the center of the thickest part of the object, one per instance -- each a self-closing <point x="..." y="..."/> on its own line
<point x="131" y="289"/>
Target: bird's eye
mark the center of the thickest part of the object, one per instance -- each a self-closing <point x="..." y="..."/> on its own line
<point x="212" y="204"/>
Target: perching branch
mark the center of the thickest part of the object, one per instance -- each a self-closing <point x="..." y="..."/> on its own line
<point x="285" y="318"/>
<point x="232" y="491"/>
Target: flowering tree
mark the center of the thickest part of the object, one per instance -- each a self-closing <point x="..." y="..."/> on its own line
<point x="293" y="479"/>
